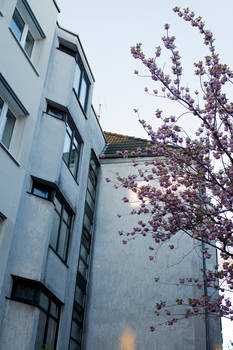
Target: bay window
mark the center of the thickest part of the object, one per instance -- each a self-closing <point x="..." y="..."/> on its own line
<point x="35" y="293"/>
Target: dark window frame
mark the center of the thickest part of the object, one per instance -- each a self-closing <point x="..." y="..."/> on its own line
<point x="44" y="188"/>
<point x="82" y="281"/>
<point x="78" y="89"/>
<point x="56" y="112"/>
<point x="69" y="228"/>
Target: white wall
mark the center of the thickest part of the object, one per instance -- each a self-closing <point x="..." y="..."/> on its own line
<point x="122" y="291"/>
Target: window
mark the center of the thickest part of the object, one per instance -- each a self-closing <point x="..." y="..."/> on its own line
<point x="17" y="24"/>
<point x="72" y="148"/>
<point x="81" y="84"/>
<point x="22" y="32"/>
<point x="35" y="293"/>
<point x="81" y="81"/>
<point x="41" y="190"/>
<point x="7" y="124"/>
<point x="56" y="112"/>
<point x="84" y="259"/>
<point x="59" y="239"/>
<point x="25" y="27"/>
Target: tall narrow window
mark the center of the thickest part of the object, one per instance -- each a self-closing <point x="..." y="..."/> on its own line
<point x="17" y="24"/>
<point x="72" y="148"/>
<point x="8" y="128"/>
<point x="29" y="43"/>
<point x="81" y="84"/>
<point x="59" y="239"/>
<point x="7" y="124"/>
<point x="84" y="258"/>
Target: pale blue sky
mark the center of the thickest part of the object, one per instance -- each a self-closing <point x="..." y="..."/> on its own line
<point x="107" y="29"/>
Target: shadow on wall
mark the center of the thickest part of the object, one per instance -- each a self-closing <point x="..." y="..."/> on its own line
<point x="127" y="341"/>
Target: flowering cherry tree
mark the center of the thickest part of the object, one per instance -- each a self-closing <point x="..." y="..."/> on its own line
<point x="195" y="174"/>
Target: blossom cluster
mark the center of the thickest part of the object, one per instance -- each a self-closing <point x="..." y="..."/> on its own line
<point x="195" y="175"/>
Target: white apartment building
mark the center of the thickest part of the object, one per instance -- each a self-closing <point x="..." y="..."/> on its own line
<point x="66" y="283"/>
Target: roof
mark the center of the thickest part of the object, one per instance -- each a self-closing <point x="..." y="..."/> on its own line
<point x="118" y="142"/>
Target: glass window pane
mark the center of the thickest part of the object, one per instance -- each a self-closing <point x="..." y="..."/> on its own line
<point x="41" y="190"/>
<point x="55" y="229"/>
<point x="55" y="112"/>
<point x="25" y="292"/>
<point x="94" y="164"/>
<point x="92" y="177"/>
<point x="79" y="296"/>
<point x="51" y="334"/>
<point x="8" y="129"/>
<point x="54" y="309"/>
<point x="76" y="332"/>
<point x="77" y="315"/>
<point x="66" y="217"/>
<point x="63" y="240"/>
<point x="86" y="239"/>
<point x="91" y="188"/>
<point x="66" y="149"/>
<point x="82" y="268"/>
<point x="17" y="24"/>
<point x="75" y="141"/>
<point x="44" y="301"/>
<point x="87" y="222"/>
<point x="90" y="201"/>
<point x="84" y="253"/>
<point x="29" y="43"/>
<point x="74" y="155"/>
<point x="57" y="204"/>
<point x="77" y="78"/>
<point x="69" y="129"/>
<point x="83" y="93"/>
<point x="40" y="331"/>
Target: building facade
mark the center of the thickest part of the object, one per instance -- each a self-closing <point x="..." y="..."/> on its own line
<point x="65" y="280"/>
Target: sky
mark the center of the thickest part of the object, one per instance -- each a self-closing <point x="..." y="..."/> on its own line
<point x="108" y="29"/>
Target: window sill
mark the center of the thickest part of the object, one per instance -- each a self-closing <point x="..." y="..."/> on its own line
<point x="9" y="154"/>
<point x="84" y="113"/>
<point x="54" y="251"/>
<point x="22" y="49"/>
